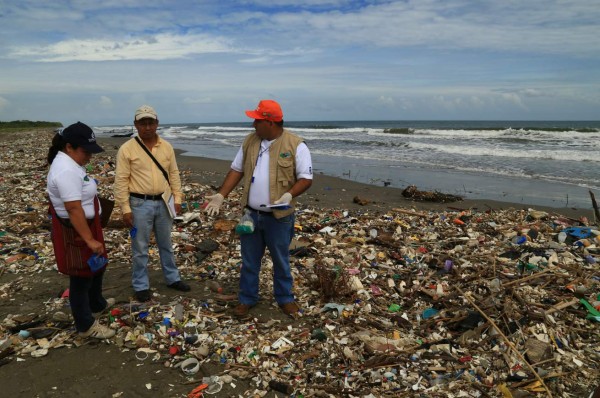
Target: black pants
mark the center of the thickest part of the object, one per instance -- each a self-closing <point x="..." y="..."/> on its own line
<point x="85" y="295"/>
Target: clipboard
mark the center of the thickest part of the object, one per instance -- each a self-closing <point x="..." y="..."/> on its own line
<point x="280" y="206"/>
<point x="169" y="200"/>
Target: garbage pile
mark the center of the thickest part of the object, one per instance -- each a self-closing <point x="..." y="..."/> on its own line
<point x="396" y="303"/>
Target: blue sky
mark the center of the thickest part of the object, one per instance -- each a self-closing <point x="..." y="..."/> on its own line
<point x="208" y="61"/>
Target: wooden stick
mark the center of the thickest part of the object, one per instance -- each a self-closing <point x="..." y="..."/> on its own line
<point x="512" y="347"/>
<point x="562" y="306"/>
<point x="543" y="273"/>
<point x="595" y="205"/>
<point x="409" y="212"/>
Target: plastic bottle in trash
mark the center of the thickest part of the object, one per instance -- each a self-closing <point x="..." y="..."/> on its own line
<point x="583" y="243"/>
<point x="215" y="286"/>
<point x="519" y="239"/>
<point x="562" y="237"/>
<point x="448" y="265"/>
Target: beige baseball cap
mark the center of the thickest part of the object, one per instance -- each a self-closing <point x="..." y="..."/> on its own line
<point x="145" y="111"/>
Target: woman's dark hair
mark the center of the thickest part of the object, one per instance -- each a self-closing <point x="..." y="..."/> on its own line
<point x="58" y="144"/>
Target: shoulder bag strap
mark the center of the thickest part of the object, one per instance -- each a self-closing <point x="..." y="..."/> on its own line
<point x="153" y="158"/>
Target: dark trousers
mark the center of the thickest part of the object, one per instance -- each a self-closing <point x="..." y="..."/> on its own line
<point x="85" y="296"/>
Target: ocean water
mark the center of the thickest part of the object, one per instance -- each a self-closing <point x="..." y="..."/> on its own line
<point x="551" y="163"/>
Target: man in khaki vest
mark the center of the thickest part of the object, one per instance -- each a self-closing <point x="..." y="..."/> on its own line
<point x="276" y="167"/>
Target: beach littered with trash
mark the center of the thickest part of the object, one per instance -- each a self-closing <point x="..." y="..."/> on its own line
<point x="398" y="298"/>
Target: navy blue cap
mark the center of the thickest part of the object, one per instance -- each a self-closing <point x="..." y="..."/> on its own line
<point x="81" y="135"/>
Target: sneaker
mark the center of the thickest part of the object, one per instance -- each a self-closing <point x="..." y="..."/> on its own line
<point x="290" y="308"/>
<point x="109" y="303"/>
<point x="180" y="285"/>
<point x="98" y="331"/>
<point x="242" y="310"/>
<point x="143" y="295"/>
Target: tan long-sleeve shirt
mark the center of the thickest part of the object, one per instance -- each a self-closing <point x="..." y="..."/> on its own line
<point x="137" y="173"/>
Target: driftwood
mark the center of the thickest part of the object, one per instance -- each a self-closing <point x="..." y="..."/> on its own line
<point x="411" y="192"/>
<point x="595" y="205"/>
<point x="122" y="135"/>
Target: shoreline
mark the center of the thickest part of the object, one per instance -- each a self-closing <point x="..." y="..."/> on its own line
<point x="328" y="192"/>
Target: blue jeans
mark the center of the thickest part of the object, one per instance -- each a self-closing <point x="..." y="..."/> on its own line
<point x="85" y="297"/>
<point x="276" y="234"/>
<point x="148" y="216"/>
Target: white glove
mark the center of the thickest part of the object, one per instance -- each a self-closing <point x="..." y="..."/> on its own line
<point x="216" y="200"/>
<point x="285" y="198"/>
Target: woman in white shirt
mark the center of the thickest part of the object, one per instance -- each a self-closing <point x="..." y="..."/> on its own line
<point x="76" y="231"/>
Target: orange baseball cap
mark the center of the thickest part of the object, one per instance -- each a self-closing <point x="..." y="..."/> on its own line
<point x="267" y="110"/>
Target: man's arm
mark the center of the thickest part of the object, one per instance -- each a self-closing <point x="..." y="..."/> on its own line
<point x="121" y="185"/>
<point x="231" y="180"/>
<point x="175" y="179"/>
<point x="300" y="187"/>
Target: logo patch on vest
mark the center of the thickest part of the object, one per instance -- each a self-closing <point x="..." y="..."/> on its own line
<point x="285" y="155"/>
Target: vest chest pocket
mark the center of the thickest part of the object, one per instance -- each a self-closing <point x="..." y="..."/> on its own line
<point x="285" y="171"/>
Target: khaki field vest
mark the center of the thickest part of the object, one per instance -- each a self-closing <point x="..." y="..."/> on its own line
<point x="282" y="167"/>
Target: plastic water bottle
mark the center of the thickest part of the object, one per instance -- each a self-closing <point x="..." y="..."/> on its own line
<point x="562" y="237"/>
<point x="583" y="243"/>
<point x="519" y="239"/>
<point x="448" y="265"/>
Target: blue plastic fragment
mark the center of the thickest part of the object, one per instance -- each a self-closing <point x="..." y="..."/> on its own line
<point x="579" y="232"/>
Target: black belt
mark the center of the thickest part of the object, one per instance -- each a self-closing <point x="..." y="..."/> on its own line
<point x="264" y="213"/>
<point x="146" y="197"/>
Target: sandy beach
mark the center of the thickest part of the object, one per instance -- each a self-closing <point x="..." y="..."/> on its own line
<point x="402" y="264"/>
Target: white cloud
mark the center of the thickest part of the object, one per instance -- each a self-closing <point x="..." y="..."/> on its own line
<point x="484" y="59"/>
<point x="514" y="99"/>
<point x="105" y="101"/>
<point x="455" y="25"/>
<point x="532" y="92"/>
<point x="157" y="47"/>
<point x="387" y="101"/>
<point x="195" y="101"/>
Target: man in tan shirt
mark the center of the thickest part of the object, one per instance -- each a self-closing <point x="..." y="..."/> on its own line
<point x="139" y="187"/>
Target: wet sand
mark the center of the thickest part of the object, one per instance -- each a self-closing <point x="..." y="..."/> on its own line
<point x="329" y="192"/>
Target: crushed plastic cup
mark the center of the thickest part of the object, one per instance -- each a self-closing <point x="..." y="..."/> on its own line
<point x="562" y="237"/>
<point x="96" y="262"/>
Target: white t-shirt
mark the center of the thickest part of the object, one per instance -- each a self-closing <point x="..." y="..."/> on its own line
<point x="259" y="190"/>
<point x="68" y="181"/>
